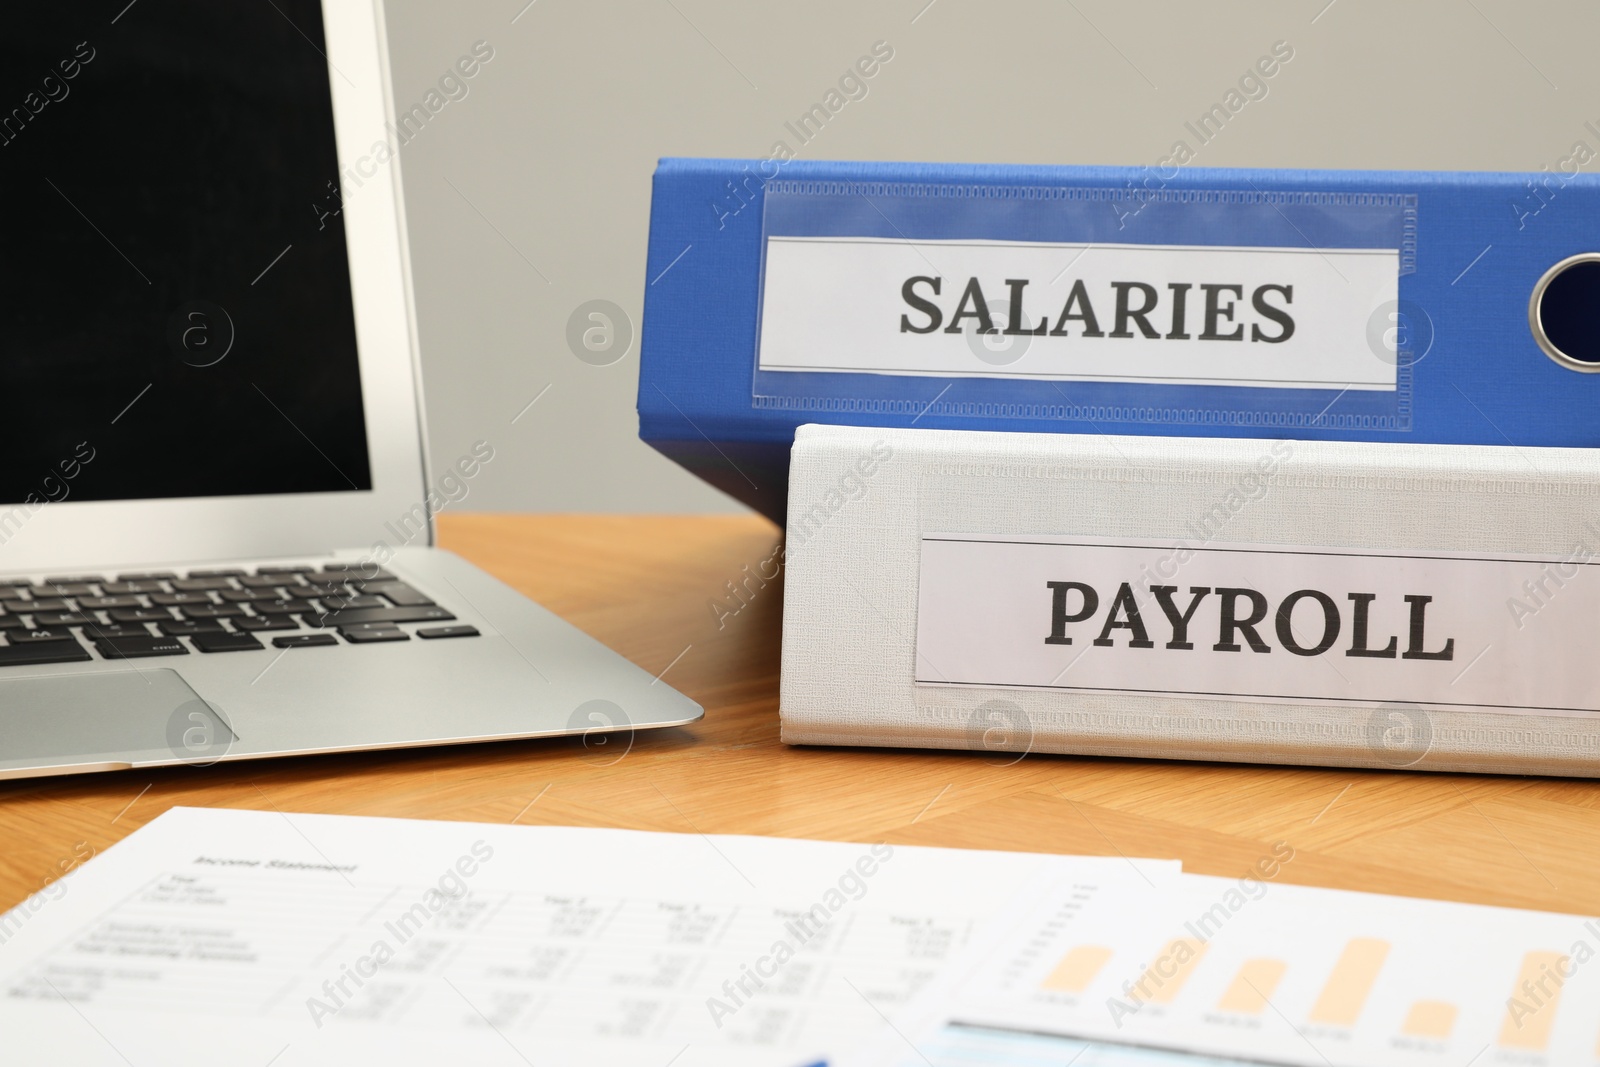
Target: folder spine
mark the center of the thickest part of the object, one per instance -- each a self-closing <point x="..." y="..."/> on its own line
<point x="858" y="667"/>
<point x="1464" y="367"/>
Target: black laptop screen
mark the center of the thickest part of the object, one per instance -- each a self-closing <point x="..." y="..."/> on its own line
<point x="175" y="289"/>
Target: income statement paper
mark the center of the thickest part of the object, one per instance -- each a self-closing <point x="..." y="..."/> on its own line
<point x="247" y="937"/>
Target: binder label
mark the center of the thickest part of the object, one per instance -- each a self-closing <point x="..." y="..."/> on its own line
<point x="1265" y="623"/>
<point x="1270" y="317"/>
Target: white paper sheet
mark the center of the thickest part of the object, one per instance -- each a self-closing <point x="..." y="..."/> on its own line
<point x="243" y="937"/>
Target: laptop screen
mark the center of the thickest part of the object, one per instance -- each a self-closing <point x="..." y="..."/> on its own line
<point x="177" y="316"/>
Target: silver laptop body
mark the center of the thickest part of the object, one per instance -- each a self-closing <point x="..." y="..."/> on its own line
<point x="216" y="512"/>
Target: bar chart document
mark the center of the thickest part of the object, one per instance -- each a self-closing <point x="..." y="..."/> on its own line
<point x="248" y="937"/>
<point x="1266" y="972"/>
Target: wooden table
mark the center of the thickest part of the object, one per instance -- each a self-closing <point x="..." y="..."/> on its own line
<point x="645" y="585"/>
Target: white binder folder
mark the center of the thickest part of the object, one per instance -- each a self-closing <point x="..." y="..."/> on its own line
<point x="1339" y="603"/>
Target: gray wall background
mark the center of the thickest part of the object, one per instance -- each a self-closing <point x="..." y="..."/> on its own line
<point x="529" y="195"/>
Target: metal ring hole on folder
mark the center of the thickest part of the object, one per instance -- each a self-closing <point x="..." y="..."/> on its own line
<point x="1564" y="312"/>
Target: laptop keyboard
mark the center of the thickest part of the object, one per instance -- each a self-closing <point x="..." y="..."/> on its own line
<point x="78" y="618"/>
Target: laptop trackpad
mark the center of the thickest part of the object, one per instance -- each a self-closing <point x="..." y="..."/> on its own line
<point x="120" y="717"/>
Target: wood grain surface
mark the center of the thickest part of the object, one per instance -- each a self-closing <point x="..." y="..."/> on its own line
<point x="644" y="585"/>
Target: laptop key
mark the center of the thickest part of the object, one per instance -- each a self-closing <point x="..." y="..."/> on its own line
<point x="372" y="635"/>
<point x="211" y="611"/>
<point x="13" y="592"/>
<point x="63" y="618"/>
<point x="186" y="627"/>
<point x="147" y="576"/>
<point x="96" y="603"/>
<point x="397" y="592"/>
<point x="221" y="642"/>
<point x="281" y="607"/>
<point x="370" y="571"/>
<point x="254" y="623"/>
<point x="284" y="570"/>
<point x="66" y="588"/>
<point x="139" y="647"/>
<point x="141" y="585"/>
<point x="73" y="579"/>
<point x="341" y="603"/>
<point x="46" y="603"/>
<point x="304" y="640"/>
<point x="245" y="596"/>
<point x="139" y="614"/>
<point x="360" y="615"/>
<point x="263" y="581"/>
<point x="174" y="599"/>
<point x="38" y="636"/>
<point x="97" y="630"/>
<point x="68" y="651"/>
<point x="199" y="585"/>
<point x="220" y="572"/>
<point x="448" y="631"/>
<point x="362" y="582"/>
<point x="11" y="622"/>
<point x="320" y="588"/>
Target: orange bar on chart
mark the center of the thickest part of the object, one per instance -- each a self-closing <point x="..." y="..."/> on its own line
<point x="1251" y="988"/>
<point x="1531" y="1009"/>
<point x="1351" y="981"/>
<point x="1165" y="977"/>
<point x="1077" y="969"/>
<point x="1430" y="1018"/>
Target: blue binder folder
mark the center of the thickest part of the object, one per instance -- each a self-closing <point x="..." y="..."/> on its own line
<point x="1456" y="308"/>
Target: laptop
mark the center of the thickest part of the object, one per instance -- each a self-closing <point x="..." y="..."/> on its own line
<point x="216" y="510"/>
